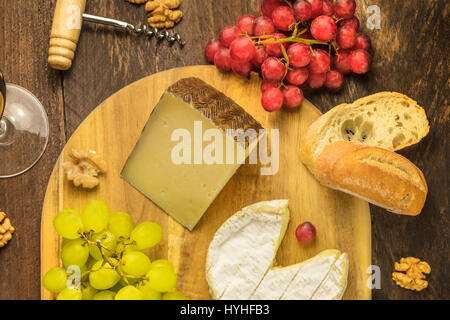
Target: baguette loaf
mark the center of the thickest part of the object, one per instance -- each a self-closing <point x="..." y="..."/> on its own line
<point x="379" y="176"/>
<point x="387" y="120"/>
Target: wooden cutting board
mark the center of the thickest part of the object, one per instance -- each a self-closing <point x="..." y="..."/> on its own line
<point x="112" y="129"/>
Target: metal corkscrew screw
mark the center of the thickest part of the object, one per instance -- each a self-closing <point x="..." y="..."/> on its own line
<point x="144" y="30"/>
<point x="159" y="35"/>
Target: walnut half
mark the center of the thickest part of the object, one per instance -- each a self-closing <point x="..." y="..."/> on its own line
<point x="6" y="230"/>
<point x="162" y="13"/>
<point x="410" y="273"/>
<point x="84" y="168"/>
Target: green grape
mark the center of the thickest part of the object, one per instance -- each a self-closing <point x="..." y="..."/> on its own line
<point x="149" y="293"/>
<point x="102" y="278"/>
<point x="135" y="263"/>
<point x="108" y="240"/>
<point x="174" y="296"/>
<point x="95" y="216"/>
<point x="162" y="263"/>
<point x="75" y="253"/>
<point x="128" y="247"/>
<point x="161" y="279"/>
<point x="87" y="291"/>
<point x="104" y="295"/>
<point x="55" y="280"/>
<point x="70" y="294"/>
<point x="129" y="293"/>
<point x="85" y="275"/>
<point x="121" y="225"/>
<point x="146" y="235"/>
<point x="68" y="224"/>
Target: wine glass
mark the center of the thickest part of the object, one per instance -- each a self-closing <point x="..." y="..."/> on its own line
<point x="24" y="129"/>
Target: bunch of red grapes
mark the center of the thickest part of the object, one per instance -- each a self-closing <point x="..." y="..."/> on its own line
<point x="294" y="43"/>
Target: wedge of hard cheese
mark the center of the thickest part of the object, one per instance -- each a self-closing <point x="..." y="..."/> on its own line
<point x="241" y="257"/>
<point x="168" y="163"/>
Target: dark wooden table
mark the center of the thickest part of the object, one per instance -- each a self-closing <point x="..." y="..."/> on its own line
<point x="411" y="56"/>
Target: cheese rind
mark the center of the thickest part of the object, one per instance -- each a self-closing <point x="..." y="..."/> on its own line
<point x="242" y="254"/>
<point x="185" y="190"/>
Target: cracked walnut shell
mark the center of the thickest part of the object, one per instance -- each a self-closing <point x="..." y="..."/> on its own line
<point x="84" y="168"/>
<point x="6" y="230"/>
<point x="162" y="13"/>
<point x="410" y="273"/>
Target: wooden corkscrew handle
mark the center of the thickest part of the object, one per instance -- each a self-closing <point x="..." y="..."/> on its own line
<point x="66" y="29"/>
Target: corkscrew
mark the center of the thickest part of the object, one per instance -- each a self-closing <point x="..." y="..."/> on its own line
<point x="148" y="31"/>
<point x="68" y="18"/>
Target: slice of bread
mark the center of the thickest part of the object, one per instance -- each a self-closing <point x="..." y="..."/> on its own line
<point x="379" y="176"/>
<point x="387" y="120"/>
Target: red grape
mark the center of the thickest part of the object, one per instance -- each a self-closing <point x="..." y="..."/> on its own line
<point x="212" y="48"/>
<point x="283" y="18"/>
<point x="273" y="69"/>
<point x="323" y="28"/>
<point x="341" y="61"/>
<point x="299" y="55"/>
<point x="268" y="6"/>
<point x="263" y="25"/>
<point x="272" y="99"/>
<point x="274" y="50"/>
<point x="242" y="68"/>
<point x="345" y="8"/>
<point x="327" y="8"/>
<point x="316" y="80"/>
<point x="260" y="56"/>
<point x="302" y="10"/>
<point x="298" y="76"/>
<point x="353" y="23"/>
<point x="228" y="34"/>
<point x="360" y="61"/>
<point x="305" y="232"/>
<point x="316" y="7"/>
<point x="266" y="85"/>
<point x="362" y="42"/>
<point x="320" y="61"/>
<point x="293" y="96"/>
<point x="242" y="49"/>
<point x="255" y="44"/>
<point x="334" y="80"/>
<point x="222" y="59"/>
<point x="245" y="24"/>
<point x="346" y="37"/>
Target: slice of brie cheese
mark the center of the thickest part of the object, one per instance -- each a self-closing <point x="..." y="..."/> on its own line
<point x="242" y="254"/>
<point x="231" y="267"/>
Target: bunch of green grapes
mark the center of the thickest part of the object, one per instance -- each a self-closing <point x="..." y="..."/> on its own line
<point x="103" y="259"/>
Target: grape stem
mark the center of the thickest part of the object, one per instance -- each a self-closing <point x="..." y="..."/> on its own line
<point x="292" y="39"/>
<point x="106" y="259"/>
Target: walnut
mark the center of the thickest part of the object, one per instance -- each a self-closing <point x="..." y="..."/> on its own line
<point x="162" y="13"/>
<point x="84" y="168"/>
<point x="6" y="230"/>
<point x="413" y="276"/>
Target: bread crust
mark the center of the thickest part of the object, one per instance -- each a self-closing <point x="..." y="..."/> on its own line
<point x="310" y="139"/>
<point x="376" y="175"/>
